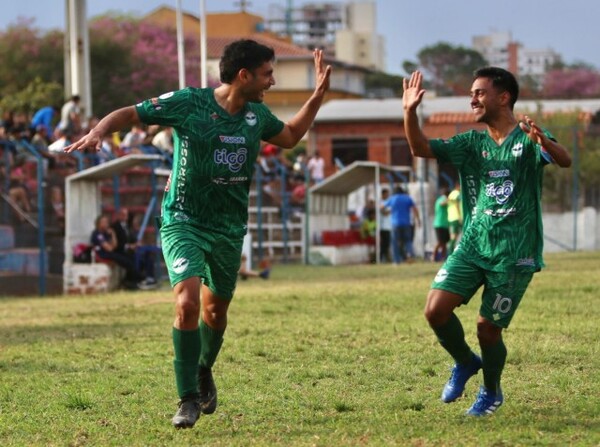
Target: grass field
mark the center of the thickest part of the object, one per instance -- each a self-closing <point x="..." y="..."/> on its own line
<point x="316" y="356"/>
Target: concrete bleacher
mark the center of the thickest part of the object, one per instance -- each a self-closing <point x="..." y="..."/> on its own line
<point x="339" y="247"/>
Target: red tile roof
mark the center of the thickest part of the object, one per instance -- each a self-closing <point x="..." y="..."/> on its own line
<point x="283" y="50"/>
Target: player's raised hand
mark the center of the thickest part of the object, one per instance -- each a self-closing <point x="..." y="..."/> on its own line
<point x="90" y="140"/>
<point x="413" y="91"/>
<point x="322" y="72"/>
<point x="533" y="131"/>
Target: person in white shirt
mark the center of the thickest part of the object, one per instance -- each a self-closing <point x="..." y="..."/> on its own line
<point x="316" y="167"/>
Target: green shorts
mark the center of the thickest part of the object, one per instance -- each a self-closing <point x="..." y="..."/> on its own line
<point x="502" y="291"/>
<point x="189" y="251"/>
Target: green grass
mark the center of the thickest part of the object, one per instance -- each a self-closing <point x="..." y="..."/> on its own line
<point x="316" y="356"/>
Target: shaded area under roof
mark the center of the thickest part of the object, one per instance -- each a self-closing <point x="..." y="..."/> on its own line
<point x="357" y="175"/>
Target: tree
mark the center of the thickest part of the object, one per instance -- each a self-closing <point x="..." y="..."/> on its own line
<point x="381" y="84"/>
<point x="577" y="82"/>
<point x="449" y="69"/>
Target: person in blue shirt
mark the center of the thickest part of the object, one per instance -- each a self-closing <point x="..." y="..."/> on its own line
<point x="44" y="117"/>
<point x="400" y="205"/>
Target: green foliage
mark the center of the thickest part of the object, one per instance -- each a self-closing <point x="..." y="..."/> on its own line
<point x="323" y="356"/>
<point x="379" y="83"/>
<point x="448" y="68"/>
<point x="569" y="130"/>
<point x="35" y="95"/>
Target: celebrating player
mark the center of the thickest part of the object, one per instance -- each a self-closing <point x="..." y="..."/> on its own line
<point x="501" y="247"/>
<point x="217" y="134"/>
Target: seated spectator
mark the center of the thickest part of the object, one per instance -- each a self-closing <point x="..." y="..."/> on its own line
<point x="133" y="141"/>
<point x="57" y="205"/>
<point x="62" y="141"/>
<point x="128" y="244"/>
<point x="17" y="189"/>
<point x="104" y="243"/>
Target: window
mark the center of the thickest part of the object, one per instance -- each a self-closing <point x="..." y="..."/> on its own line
<point x="347" y="151"/>
<point x="401" y="155"/>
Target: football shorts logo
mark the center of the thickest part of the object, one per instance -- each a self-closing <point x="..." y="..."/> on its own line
<point x="250" y="118"/>
<point x="442" y="274"/>
<point x="180" y="265"/>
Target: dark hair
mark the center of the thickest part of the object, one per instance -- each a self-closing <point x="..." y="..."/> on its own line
<point x="240" y="54"/>
<point x="502" y="80"/>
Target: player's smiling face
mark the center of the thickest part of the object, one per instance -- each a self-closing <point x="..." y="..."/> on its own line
<point x="485" y="100"/>
<point x="259" y="81"/>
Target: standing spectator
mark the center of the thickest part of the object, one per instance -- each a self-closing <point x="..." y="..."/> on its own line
<point x="316" y="167"/>
<point x="385" y="229"/>
<point x="45" y="117"/>
<point x="70" y="117"/>
<point x="502" y="245"/>
<point x="440" y="226"/>
<point x="368" y="230"/>
<point x="400" y="206"/>
<point x="455" y="217"/>
<point x="205" y="209"/>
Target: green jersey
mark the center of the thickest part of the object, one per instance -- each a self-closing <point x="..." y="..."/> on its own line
<point x="501" y="189"/>
<point x="213" y="157"/>
<point x="440" y="214"/>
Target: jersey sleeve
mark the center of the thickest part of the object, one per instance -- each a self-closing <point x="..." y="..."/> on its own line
<point x="165" y="110"/>
<point x="453" y="150"/>
<point x="272" y="126"/>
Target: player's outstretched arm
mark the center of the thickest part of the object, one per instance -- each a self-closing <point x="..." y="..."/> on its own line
<point x="557" y="151"/>
<point x="114" y="121"/>
<point x="411" y="98"/>
<point x="296" y="127"/>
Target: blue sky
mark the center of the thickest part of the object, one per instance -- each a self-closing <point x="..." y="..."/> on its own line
<point x="570" y="28"/>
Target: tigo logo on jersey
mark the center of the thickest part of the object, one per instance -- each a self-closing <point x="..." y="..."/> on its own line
<point x="180" y="265"/>
<point x="500" y="192"/>
<point x="250" y="118"/>
<point x="233" y="160"/>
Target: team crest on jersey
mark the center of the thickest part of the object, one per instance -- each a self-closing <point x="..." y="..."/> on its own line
<point x="155" y="104"/>
<point x="485" y="154"/>
<point x="250" y="118"/>
<point x="214" y="116"/>
<point x="517" y="150"/>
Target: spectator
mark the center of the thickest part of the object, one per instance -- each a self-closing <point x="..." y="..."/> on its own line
<point x="62" y="141"/>
<point x="440" y="225"/>
<point x="70" y="118"/>
<point x="133" y="140"/>
<point x="127" y="244"/>
<point x="57" y="205"/>
<point x="455" y="217"/>
<point x="17" y="189"/>
<point x="45" y="117"/>
<point x="104" y="243"/>
<point x="385" y="229"/>
<point x="316" y="167"/>
<point x="400" y="206"/>
<point x="163" y="140"/>
<point x="368" y="230"/>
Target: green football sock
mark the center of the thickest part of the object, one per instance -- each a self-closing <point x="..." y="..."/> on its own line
<point x="452" y="338"/>
<point x="186" y="345"/>
<point x="493" y="359"/>
<point x="212" y="340"/>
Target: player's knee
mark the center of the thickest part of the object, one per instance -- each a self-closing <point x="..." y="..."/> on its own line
<point x="214" y="315"/>
<point x="435" y="315"/>
<point x="188" y="311"/>
<point x="488" y="333"/>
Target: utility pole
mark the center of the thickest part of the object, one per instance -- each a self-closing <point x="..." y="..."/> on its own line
<point x="77" y="54"/>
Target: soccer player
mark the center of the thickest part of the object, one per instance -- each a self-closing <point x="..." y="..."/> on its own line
<point x="217" y="134"/>
<point x="501" y="246"/>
